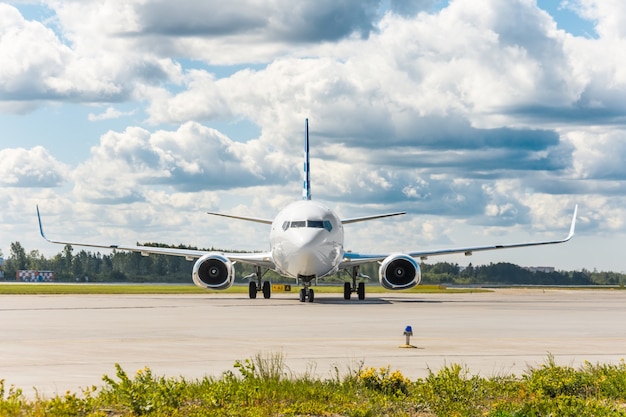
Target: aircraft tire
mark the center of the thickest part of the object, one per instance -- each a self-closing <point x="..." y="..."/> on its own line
<point x="361" y="291"/>
<point x="347" y="290"/>
<point x="267" y="289"/>
<point x="311" y="296"/>
<point x="252" y="290"/>
<point x="302" y="295"/>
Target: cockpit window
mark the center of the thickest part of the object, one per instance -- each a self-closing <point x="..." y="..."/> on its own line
<point x="314" y="224"/>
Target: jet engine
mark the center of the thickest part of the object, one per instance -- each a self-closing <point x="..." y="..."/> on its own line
<point x="213" y="271"/>
<point x="399" y="272"/>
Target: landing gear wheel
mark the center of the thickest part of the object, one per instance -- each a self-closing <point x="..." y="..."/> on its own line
<point x="302" y="295"/>
<point x="267" y="289"/>
<point x="361" y="291"/>
<point x="311" y="296"/>
<point x="252" y="289"/>
<point x="347" y="290"/>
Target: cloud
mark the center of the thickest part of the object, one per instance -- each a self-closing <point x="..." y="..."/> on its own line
<point x="30" y="168"/>
<point x="125" y="165"/>
<point x="33" y="59"/>
<point x="109" y="113"/>
<point x="411" y="7"/>
<point x="281" y="20"/>
<point x="83" y="65"/>
<point x="609" y="15"/>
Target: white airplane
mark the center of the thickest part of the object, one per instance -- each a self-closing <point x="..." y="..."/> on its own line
<point x="306" y="243"/>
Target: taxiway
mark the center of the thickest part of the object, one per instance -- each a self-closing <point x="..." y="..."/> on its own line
<point x="50" y="344"/>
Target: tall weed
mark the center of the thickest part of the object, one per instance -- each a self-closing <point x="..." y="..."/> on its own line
<point x="264" y="386"/>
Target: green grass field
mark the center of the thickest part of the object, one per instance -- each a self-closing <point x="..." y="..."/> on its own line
<point x="55" y="288"/>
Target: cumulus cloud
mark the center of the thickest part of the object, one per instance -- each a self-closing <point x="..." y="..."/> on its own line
<point x="29" y="168"/>
<point x="109" y="113"/>
<point x="608" y="15"/>
<point x="280" y="21"/>
<point x="83" y="64"/>
<point x="454" y="93"/>
<point x="33" y="58"/>
<point x="125" y="165"/>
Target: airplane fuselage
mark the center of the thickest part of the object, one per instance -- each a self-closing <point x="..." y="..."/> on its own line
<point x="306" y="240"/>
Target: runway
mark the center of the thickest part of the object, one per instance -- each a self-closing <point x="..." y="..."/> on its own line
<point x="50" y="344"/>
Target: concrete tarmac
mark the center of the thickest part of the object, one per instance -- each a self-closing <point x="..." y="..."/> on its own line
<point x="50" y="344"/>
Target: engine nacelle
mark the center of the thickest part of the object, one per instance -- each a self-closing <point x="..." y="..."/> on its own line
<point x="399" y="272"/>
<point x="213" y="271"/>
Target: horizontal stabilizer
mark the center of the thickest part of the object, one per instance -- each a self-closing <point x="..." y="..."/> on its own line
<point x="248" y="219"/>
<point x="366" y="218"/>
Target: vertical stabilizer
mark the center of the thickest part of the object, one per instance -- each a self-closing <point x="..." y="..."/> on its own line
<point x="306" y="190"/>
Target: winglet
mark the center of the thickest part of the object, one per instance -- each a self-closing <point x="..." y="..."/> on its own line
<point x="40" y="226"/>
<point x="573" y="225"/>
<point x="306" y="189"/>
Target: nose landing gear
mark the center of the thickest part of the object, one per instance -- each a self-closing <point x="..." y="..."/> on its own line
<point x="307" y="292"/>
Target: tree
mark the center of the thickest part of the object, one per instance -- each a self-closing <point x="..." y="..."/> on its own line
<point x="16" y="261"/>
<point x="36" y="261"/>
<point x="18" y="255"/>
<point x="67" y="261"/>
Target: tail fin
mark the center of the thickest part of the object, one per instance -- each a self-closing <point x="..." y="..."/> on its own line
<point x="306" y="190"/>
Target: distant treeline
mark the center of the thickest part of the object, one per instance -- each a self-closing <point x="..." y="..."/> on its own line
<point x="71" y="266"/>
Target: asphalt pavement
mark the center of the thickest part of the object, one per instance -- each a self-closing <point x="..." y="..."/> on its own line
<point x="53" y="343"/>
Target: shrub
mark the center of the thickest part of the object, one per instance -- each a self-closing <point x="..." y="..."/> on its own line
<point x="143" y="394"/>
<point x="383" y="380"/>
<point x="453" y="392"/>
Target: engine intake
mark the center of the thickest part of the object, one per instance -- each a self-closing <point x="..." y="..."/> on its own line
<point x="399" y="272"/>
<point x="213" y="271"/>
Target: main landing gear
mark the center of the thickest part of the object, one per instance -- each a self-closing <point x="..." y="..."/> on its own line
<point x="259" y="285"/>
<point x="349" y="289"/>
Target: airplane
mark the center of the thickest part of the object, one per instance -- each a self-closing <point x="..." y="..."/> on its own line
<point x="307" y="242"/>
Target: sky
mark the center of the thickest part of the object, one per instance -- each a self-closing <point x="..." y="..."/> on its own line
<point x="487" y="121"/>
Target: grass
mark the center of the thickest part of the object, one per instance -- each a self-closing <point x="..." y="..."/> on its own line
<point x="54" y="288"/>
<point x="264" y="386"/>
<point x="84" y="288"/>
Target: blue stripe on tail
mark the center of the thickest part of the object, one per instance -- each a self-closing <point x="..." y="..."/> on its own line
<point x="306" y="190"/>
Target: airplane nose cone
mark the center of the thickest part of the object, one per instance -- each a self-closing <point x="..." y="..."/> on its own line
<point x="308" y="238"/>
<point x="307" y="253"/>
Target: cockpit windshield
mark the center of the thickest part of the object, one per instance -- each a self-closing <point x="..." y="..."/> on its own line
<point x="314" y="224"/>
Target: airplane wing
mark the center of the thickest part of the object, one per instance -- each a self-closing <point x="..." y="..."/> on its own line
<point x="352" y="259"/>
<point x="263" y="259"/>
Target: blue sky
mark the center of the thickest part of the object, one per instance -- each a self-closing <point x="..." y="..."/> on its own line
<point x="487" y="121"/>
